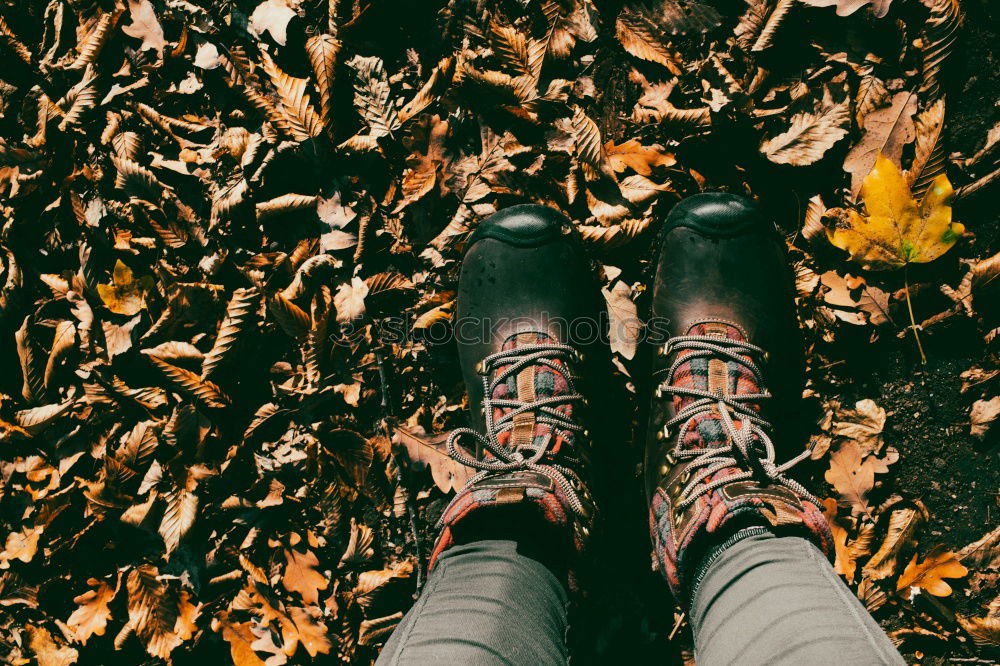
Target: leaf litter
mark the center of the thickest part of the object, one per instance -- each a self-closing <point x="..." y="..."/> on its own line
<point x="230" y="241"/>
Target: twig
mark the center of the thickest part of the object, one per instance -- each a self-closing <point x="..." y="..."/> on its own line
<point x="677" y="626"/>
<point x="975" y="186"/>
<point x="913" y="322"/>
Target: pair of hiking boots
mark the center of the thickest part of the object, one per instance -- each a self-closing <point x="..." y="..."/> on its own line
<point x="728" y="360"/>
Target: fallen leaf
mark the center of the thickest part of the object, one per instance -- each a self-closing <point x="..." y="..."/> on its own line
<point x="633" y="155"/>
<point x="624" y="327"/>
<point x="145" y="26"/>
<point x="887" y="131"/>
<point x="125" y="295"/>
<point x="91" y="618"/>
<point x="46" y="651"/>
<point x="810" y="134"/>
<point x="900" y="535"/>
<point x="896" y="231"/>
<point x="853" y="476"/>
<point x="350" y="300"/>
<point x="929" y="573"/>
<point x="301" y="575"/>
<point x="983" y="415"/>
<point x="271" y="16"/>
<point x="448" y="475"/>
<point x="863" y="425"/>
<point x="847" y="7"/>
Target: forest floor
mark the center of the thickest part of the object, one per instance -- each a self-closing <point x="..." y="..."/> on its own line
<point x="219" y="444"/>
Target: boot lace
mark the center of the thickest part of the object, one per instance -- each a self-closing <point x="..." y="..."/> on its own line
<point x="749" y="447"/>
<point x="508" y="459"/>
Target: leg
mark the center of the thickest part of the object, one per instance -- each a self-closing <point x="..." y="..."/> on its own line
<point x="730" y="525"/>
<point x="769" y="600"/>
<point x="485" y="603"/>
<point x="504" y="557"/>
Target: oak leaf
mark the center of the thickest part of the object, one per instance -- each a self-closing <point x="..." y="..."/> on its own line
<point x="853" y="476"/>
<point x="126" y="295"/>
<point x="92" y="615"/>
<point x="271" y="16"/>
<point x="896" y="230"/>
<point x="301" y="575"/>
<point x="427" y="450"/>
<point x="46" y="651"/>
<point x="983" y="416"/>
<point x="241" y="636"/>
<point x="641" y="159"/>
<point x="929" y="573"/>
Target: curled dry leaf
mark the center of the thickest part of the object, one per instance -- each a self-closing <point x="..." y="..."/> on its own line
<point x="125" y="295"/>
<point x="901" y="533"/>
<point x="852" y="475"/>
<point x="983" y="416"/>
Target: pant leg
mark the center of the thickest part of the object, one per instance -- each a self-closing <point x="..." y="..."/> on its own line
<point x="770" y="600"/>
<point x="484" y="603"/>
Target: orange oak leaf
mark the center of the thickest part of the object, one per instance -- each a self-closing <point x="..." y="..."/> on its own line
<point x="301" y="575"/>
<point x="928" y="574"/>
<point x="92" y="615"/>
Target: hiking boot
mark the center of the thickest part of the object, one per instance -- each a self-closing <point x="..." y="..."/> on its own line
<point x="729" y="360"/>
<point x="523" y="286"/>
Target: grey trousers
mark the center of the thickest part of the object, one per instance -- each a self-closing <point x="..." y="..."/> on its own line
<point x="765" y="600"/>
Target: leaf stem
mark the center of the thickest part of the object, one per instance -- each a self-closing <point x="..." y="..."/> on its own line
<point x="913" y="322"/>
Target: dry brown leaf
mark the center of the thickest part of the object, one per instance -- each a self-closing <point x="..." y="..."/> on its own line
<point x="91" y="618"/>
<point x="863" y="425"/>
<point x="900" y="534"/>
<point x="145" y="26"/>
<point x="323" y="50"/>
<point x="928" y="574"/>
<point x="983" y="416"/>
<point x="240" y="637"/>
<point x="810" y="135"/>
<point x="985" y="631"/>
<point x="853" y="476"/>
<point x="928" y="157"/>
<point x="271" y="16"/>
<point x="350" y="300"/>
<point x="984" y="553"/>
<point x="886" y="131"/>
<point x="241" y="315"/>
<point x="448" y="475"/>
<point x="624" y="325"/>
<point x="847" y="7"/>
<point x="633" y="155"/>
<point x="301" y="576"/>
<point x="46" y="651"/>
<point x="188" y="383"/>
<point x="310" y="631"/>
<point x="940" y="33"/>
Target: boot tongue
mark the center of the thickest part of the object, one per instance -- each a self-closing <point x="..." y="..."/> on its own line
<point x="716" y="375"/>
<point x="530" y="383"/>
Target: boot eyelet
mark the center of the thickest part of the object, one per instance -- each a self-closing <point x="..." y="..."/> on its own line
<point x="658" y="393"/>
<point x="664" y="351"/>
<point x="670" y="459"/>
<point x="675" y="491"/>
<point x="678" y="517"/>
<point x="660" y="436"/>
<point x="579" y="356"/>
<point x="685" y="477"/>
<point x="584" y="532"/>
<point x="767" y="356"/>
<point x="479" y="369"/>
<point x="664" y="470"/>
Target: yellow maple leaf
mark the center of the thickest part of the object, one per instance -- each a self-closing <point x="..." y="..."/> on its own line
<point x="125" y="295"/>
<point x="897" y="230"/>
